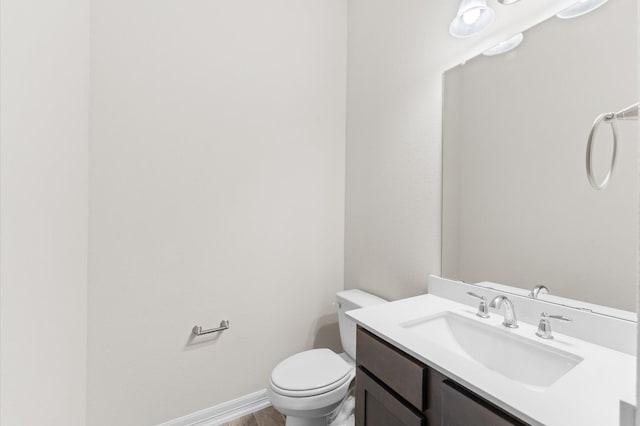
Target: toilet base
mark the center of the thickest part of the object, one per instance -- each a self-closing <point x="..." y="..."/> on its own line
<point x="310" y="410"/>
<point x="299" y="421"/>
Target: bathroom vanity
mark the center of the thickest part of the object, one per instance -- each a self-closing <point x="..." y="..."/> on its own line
<point x="393" y="388"/>
<point x="431" y="360"/>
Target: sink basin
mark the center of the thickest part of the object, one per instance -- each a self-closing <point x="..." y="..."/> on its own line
<point x="534" y="365"/>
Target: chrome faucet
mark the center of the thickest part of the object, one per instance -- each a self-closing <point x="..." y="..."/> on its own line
<point x="544" y="328"/>
<point x="538" y="290"/>
<point x="483" y="309"/>
<point x="510" y="319"/>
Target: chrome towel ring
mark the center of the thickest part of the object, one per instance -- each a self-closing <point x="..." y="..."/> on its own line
<point x="611" y="118"/>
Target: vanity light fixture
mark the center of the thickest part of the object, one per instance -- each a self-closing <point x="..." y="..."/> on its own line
<point x="505" y="46"/>
<point x="473" y="16"/>
<point x="580" y="8"/>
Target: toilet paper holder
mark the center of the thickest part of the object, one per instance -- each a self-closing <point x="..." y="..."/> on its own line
<point x="198" y="331"/>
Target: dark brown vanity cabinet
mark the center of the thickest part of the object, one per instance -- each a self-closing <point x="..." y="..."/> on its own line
<point x="394" y="389"/>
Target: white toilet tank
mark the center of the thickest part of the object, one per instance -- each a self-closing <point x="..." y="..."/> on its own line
<point x="347" y="301"/>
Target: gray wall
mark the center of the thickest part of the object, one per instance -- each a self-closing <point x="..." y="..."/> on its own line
<point x="44" y="125"/>
<point x="393" y="150"/>
<point x="217" y="192"/>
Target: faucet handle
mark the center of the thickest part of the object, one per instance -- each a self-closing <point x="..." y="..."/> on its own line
<point x="483" y="309"/>
<point x="544" y="327"/>
<point x="558" y="317"/>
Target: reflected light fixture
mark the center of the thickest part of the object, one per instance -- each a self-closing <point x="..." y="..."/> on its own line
<point x="505" y="46"/>
<point x="473" y="16"/>
<point x="580" y="8"/>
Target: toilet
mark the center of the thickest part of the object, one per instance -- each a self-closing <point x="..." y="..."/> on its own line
<point x="309" y="386"/>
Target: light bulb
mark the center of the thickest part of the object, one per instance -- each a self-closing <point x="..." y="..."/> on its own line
<point x="471" y="16"/>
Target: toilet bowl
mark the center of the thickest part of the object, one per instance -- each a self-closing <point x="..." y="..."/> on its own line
<point x="309" y="386"/>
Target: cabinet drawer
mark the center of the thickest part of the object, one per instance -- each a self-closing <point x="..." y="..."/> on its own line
<point x="378" y="406"/>
<point x="403" y="374"/>
<point x="460" y="407"/>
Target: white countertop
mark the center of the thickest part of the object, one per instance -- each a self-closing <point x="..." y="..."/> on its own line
<point x="589" y="394"/>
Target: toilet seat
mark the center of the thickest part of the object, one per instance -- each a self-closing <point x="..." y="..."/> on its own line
<point x="311" y="392"/>
<point x="310" y="373"/>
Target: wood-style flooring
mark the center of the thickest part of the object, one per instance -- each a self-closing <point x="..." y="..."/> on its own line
<point x="267" y="417"/>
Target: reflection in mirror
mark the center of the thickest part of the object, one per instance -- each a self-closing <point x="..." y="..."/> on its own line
<point x="517" y="206"/>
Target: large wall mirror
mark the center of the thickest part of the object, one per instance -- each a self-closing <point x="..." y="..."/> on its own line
<point x="517" y="206"/>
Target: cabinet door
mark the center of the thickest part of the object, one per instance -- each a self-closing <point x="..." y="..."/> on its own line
<point x="397" y="370"/>
<point x="462" y="408"/>
<point x="378" y="406"/>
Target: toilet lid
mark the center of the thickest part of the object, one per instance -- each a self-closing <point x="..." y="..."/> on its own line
<point x="314" y="369"/>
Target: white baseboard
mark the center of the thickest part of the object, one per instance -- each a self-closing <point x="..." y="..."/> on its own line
<point x="224" y="412"/>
